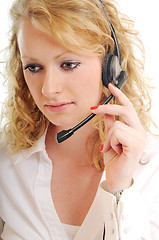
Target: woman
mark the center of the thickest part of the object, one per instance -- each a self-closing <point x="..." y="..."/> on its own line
<point x="93" y="185"/>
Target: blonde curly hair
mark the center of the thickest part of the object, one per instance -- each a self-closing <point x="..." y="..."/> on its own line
<point x="65" y="19"/>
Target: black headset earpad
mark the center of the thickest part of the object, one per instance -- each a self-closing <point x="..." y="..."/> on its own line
<point x="111" y="69"/>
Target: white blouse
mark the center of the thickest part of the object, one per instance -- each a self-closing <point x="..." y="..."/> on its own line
<point x="70" y="230"/>
<point x="27" y="211"/>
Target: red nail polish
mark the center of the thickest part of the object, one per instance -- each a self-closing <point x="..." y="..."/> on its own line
<point x="112" y="84"/>
<point x="94" y="107"/>
<point x="101" y="148"/>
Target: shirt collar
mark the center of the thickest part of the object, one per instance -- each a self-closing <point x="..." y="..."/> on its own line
<point x="39" y="146"/>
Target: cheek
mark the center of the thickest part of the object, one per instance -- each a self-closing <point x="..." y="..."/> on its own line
<point x="33" y="84"/>
<point x="91" y="88"/>
<point x="93" y="82"/>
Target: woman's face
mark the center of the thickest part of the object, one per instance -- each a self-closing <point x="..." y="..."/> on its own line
<point x="64" y="84"/>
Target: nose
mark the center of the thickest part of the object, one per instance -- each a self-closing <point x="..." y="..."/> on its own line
<point x="52" y="84"/>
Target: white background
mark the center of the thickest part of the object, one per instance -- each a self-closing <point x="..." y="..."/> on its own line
<point x="145" y="15"/>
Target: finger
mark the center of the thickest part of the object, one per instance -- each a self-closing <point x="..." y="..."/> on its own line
<point x="109" y="122"/>
<point x="127" y="114"/>
<point x="112" y="140"/>
<point x="124" y="138"/>
<point x="121" y="97"/>
<point x="109" y="157"/>
<point x="117" y="136"/>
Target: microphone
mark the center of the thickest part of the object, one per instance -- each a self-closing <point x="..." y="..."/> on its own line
<point x="65" y="134"/>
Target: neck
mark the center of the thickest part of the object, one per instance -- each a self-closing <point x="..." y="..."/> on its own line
<point x="75" y="149"/>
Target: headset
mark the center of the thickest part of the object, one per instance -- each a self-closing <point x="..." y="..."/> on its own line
<point x="111" y="73"/>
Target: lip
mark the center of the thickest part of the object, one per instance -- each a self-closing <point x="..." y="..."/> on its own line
<point x="58" y="107"/>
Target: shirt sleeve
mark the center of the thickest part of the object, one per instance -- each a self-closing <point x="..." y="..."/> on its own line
<point x="128" y="219"/>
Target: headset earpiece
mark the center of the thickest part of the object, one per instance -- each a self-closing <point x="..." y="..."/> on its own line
<point x="111" y="69"/>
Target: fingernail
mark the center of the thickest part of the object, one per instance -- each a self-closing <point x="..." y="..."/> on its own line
<point x="112" y="84"/>
<point x="101" y="148"/>
<point x="94" y="107"/>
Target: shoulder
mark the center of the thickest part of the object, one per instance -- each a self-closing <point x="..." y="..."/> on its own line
<point x="7" y="157"/>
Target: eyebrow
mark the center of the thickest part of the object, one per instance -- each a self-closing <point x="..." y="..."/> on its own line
<point x="56" y="57"/>
<point x="29" y="58"/>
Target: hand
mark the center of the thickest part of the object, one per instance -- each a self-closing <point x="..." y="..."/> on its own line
<point x="124" y="142"/>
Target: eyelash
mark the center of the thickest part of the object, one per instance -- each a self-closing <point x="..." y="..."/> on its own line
<point x="67" y="66"/>
<point x="71" y="65"/>
<point x="31" y="66"/>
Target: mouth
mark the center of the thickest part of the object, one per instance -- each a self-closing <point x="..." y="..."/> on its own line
<point x="58" y="107"/>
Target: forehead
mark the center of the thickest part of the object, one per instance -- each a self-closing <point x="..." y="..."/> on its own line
<point x="31" y="39"/>
<point x="30" y="35"/>
<point x="27" y="33"/>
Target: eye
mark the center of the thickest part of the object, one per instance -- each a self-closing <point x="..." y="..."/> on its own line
<point x="70" y="65"/>
<point x="33" y="68"/>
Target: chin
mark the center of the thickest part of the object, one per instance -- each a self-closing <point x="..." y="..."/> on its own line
<point x="66" y="123"/>
<point x="62" y="124"/>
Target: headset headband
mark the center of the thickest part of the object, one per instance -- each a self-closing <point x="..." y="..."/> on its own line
<point x="117" y="48"/>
